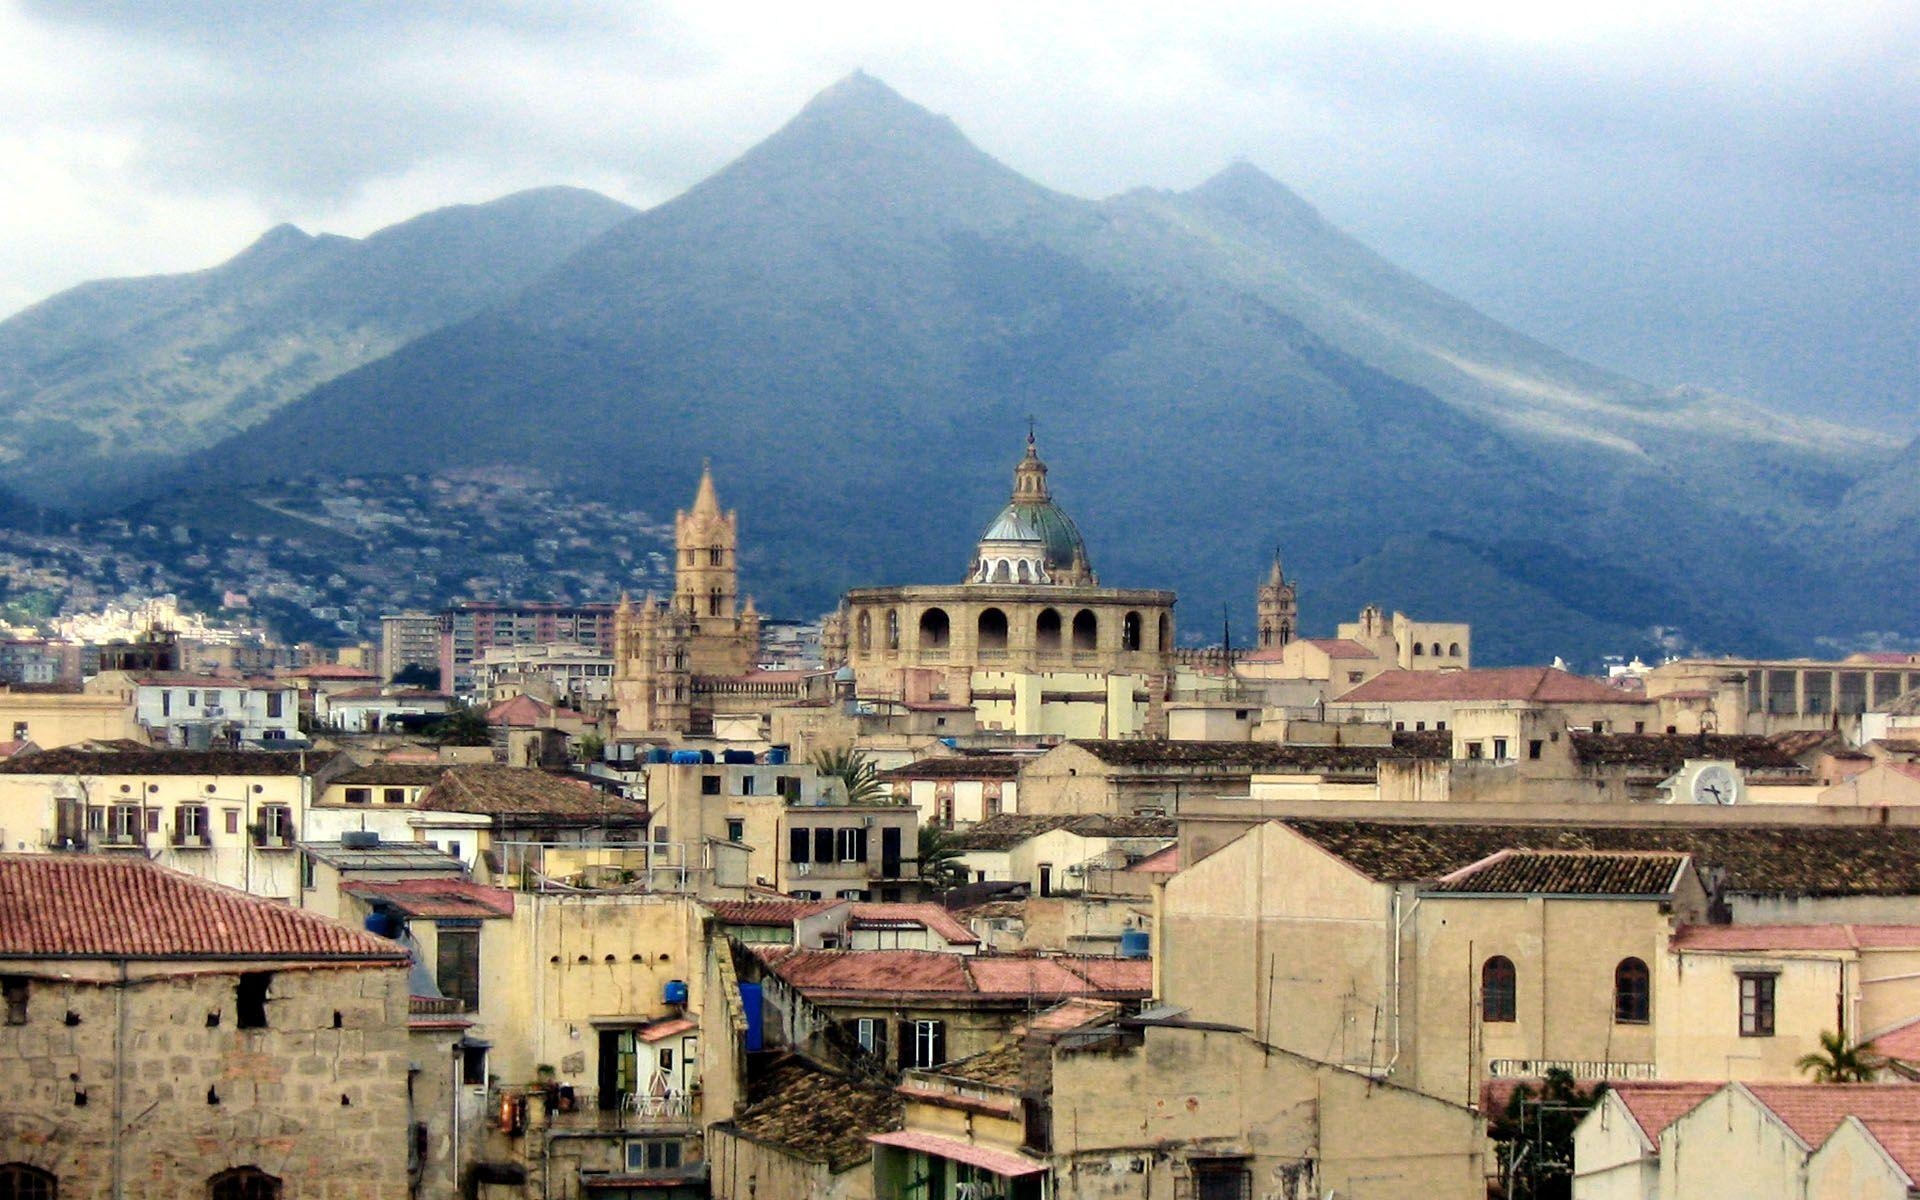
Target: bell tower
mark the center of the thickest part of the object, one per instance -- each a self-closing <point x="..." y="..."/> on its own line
<point x="723" y="637"/>
<point x="1277" y="604"/>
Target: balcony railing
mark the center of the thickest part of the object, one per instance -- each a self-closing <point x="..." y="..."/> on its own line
<point x="1537" y="1068"/>
<point x="192" y="840"/>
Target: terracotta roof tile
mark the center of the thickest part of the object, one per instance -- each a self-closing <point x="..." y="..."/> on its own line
<point x="325" y="671"/>
<point x="101" y="907"/>
<point x="1534" y="685"/>
<point x="73" y="760"/>
<point x="961" y="766"/>
<point x="927" y="916"/>
<point x="525" y="793"/>
<point x="1900" y="1139"/>
<point x="767" y="914"/>
<point x="1238" y="758"/>
<point x="1656" y="1105"/>
<point x="1567" y="873"/>
<point x="436" y="898"/>
<point x="1806" y="860"/>
<point x="1161" y="862"/>
<point x="816" y="1114"/>
<point x="1902" y="1042"/>
<point x="395" y="774"/>
<point x="1667" y="752"/>
<point x="858" y="974"/>
<point x="1008" y="830"/>
<point x="1814" y="1110"/>
<point x="1797" y="937"/>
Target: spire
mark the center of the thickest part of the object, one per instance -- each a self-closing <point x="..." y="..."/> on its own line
<point x="1276" y="576"/>
<point x="706" y="503"/>
<point x="1030" y="477"/>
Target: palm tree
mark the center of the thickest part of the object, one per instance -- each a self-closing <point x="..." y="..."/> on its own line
<point x="940" y="866"/>
<point x="1837" y="1062"/>
<point x="854" y="769"/>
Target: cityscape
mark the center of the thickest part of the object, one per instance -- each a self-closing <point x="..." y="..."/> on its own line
<point x="836" y="669"/>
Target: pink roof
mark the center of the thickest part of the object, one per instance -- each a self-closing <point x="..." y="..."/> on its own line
<point x="1340" y="648"/>
<point x="521" y="710"/>
<point x="55" y="906"/>
<point x="1655" y="1106"/>
<point x="768" y="914"/>
<point x="1902" y="1042"/>
<point x="1797" y="937"/>
<point x="327" y="671"/>
<point x="1901" y="1141"/>
<point x="1070" y="1014"/>
<point x="1814" y="1110"/>
<point x="858" y="974"/>
<point x="436" y="898"/>
<point x="1538" y="685"/>
<point x="1000" y="1162"/>
<point x="929" y="916"/>
<point x="1162" y="862"/>
<point x="667" y="1028"/>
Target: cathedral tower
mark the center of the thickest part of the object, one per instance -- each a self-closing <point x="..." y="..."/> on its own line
<point x="723" y="634"/>
<point x="1277" y="604"/>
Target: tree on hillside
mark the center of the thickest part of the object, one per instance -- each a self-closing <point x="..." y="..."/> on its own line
<point x="1837" y="1062"/>
<point x="855" y="770"/>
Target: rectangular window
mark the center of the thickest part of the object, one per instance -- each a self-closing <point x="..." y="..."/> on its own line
<point x="153" y="820"/>
<point x="193" y="698"/>
<point x="166" y="703"/>
<point x="457" y="965"/>
<point x="276" y="704"/>
<point x="359" y="795"/>
<point x="736" y="829"/>
<point x="799" y="846"/>
<point x="657" y="1154"/>
<point x="1475" y="750"/>
<point x="1534" y="747"/>
<point x="1222" y="1179"/>
<point x="746" y="785"/>
<point x="853" y="845"/>
<point x="1440" y="726"/>
<point x="124" y="823"/>
<point x="1756" y="1005"/>
<point x="250" y="999"/>
<point x="393" y="796"/>
<point x="823" y="845"/>
<point x="929" y="1043"/>
<point x="871" y="1033"/>
<point x="275" y="827"/>
<point x="191" y="824"/>
<point x="14" y="989"/>
<point x="709" y="785"/>
<point x="19" y="731"/>
<point x="1500" y="749"/>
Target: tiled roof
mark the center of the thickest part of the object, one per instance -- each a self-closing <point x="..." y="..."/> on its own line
<point x="1808" y="860"/>
<point x="1008" y="830"/>
<point x="422" y="857"/>
<point x="963" y="766"/>
<point x="817" y="1115"/>
<point x="1656" y="1105"/>
<point x="1344" y="648"/>
<point x="1902" y="1042"/>
<point x="433" y="899"/>
<point x="1161" y="862"/>
<point x="928" y="916"/>
<point x="1795" y="743"/>
<point x="1814" y="1110"/>
<point x="394" y="774"/>
<point x="1534" y="685"/>
<point x="326" y="671"/>
<point x="527" y="793"/>
<point x="72" y="760"/>
<point x="1237" y="758"/>
<point x="861" y="974"/>
<point x="1077" y="1013"/>
<point x="1000" y="1067"/>
<point x="1900" y="1140"/>
<point x="999" y="1162"/>
<point x="521" y="710"/>
<point x="1797" y="937"/>
<point x="1667" y="752"/>
<point x="114" y="907"/>
<point x="1424" y="743"/>
<point x="1567" y="873"/>
<point x="767" y="914"/>
<point x="187" y="679"/>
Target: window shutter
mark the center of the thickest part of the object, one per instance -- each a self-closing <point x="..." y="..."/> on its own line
<point x="797" y="846"/>
<point x="823" y="845"/>
<point x="860" y="845"/>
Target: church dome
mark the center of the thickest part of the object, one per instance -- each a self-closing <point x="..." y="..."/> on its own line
<point x="1032" y="540"/>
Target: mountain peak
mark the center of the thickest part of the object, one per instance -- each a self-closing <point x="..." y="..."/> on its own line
<point x="1245" y="191"/>
<point x="862" y="107"/>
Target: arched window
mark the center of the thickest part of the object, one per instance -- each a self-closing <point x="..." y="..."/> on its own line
<point x="243" y="1183"/>
<point x="934" y="629"/>
<point x="1165" y="641"/>
<point x="1497" y="989"/>
<point x="18" y="1181"/>
<point x="893" y="629"/>
<point x="1086" y="630"/>
<point x="714" y="597"/>
<point x="863" y="634"/>
<point x="1453" y="650"/>
<point x="1130" y="631"/>
<point x="993" y="629"/>
<point x="1002" y="573"/>
<point x="1632" y="992"/>
<point x="1026" y="572"/>
<point x="1418" y="650"/>
<point x="1436" y="649"/>
<point x="716" y="557"/>
<point x="1046" y="629"/>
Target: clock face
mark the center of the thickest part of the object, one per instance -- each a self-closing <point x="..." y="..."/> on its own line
<point x="1714" y="785"/>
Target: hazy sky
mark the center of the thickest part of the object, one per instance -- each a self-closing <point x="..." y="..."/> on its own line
<point x="1721" y="194"/>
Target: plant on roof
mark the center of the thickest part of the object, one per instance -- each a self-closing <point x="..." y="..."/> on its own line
<point x="1837" y="1062"/>
<point x="854" y="770"/>
<point x="940" y="865"/>
<point x="462" y="727"/>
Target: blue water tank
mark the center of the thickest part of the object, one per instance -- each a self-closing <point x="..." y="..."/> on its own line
<point x="676" y="991"/>
<point x="659" y="754"/>
<point x="1134" y="943"/>
<point x="756" y="1020"/>
<point x="777" y="755"/>
<point x="382" y="922"/>
<point x="706" y="756"/>
<point x="738" y="757"/>
<point x="687" y="758"/>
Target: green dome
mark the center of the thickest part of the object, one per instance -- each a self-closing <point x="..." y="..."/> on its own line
<point x="1032" y="540"/>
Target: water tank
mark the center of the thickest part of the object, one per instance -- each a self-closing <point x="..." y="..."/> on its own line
<point x="359" y="839"/>
<point x="382" y="922"/>
<point x="777" y="755"/>
<point x="687" y="758"/>
<point x="659" y="754"/>
<point x="738" y="757"/>
<point x="675" y="991"/>
<point x="1134" y="943"/>
<point x="706" y="756"/>
<point x="756" y="1020"/>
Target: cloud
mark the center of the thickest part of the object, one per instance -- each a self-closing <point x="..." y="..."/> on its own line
<point x="1513" y="151"/>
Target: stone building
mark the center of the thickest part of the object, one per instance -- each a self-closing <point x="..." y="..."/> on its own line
<point x="1030" y="604"/>
<point x="664" y="651"/>
<point x="165" y="1036"/>
<point x="1277" y="607"/>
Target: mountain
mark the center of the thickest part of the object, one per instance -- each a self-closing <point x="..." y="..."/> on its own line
<point x="856" y="318"/>
<point x="120" y="377"/>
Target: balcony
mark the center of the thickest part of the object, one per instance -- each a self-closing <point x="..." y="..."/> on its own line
<point x="272" y="839"/>
<point x="121" y="841"/>
<point x="184" y="840"/>
<point x="1537" y="1068"/>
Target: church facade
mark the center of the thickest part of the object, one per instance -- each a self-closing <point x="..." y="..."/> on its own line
<point x="665" y="651"/>
<point x="1029" y="603"/>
